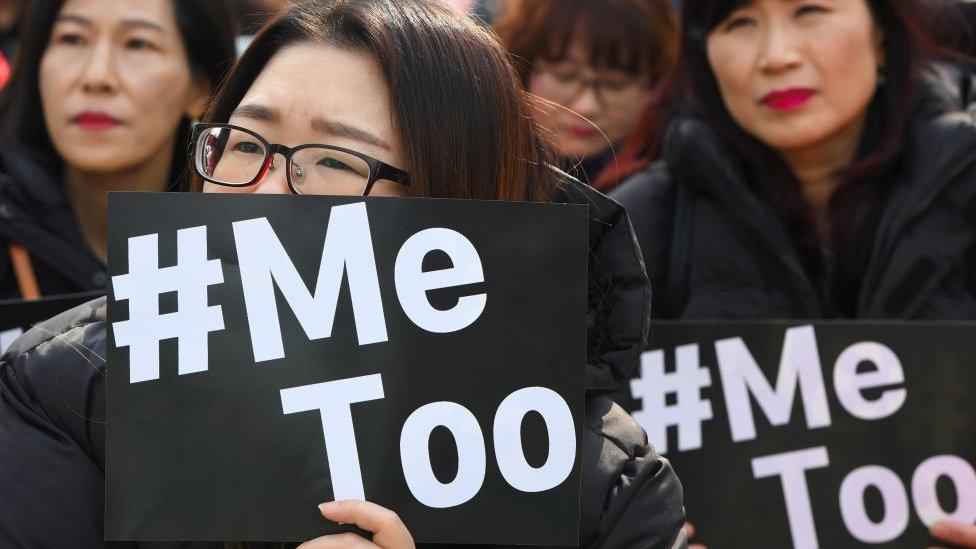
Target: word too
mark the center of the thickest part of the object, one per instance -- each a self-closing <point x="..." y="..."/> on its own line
<point x="333" y="400"/>
<point x="791" y="467"/>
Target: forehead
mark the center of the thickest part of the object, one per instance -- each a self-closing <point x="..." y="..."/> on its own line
<point x="114" y="12"/>
<point x="312" y="80"/>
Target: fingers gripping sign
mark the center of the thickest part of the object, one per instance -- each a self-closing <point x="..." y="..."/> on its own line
<point x="388" y="530"/>
<point x="959" y="534"/>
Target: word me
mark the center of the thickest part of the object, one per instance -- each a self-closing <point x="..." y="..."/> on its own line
<point x="264" y="263"/>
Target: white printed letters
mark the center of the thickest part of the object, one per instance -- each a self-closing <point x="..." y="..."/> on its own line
<point x="799" y="365"/>
<point x="333" y="399"/>
<point x="348" y="248"/>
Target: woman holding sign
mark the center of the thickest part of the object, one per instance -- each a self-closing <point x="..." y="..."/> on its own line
<point x="363" y="97"/>
<point x="822" y="166"/>
<point x="101" y="99"/>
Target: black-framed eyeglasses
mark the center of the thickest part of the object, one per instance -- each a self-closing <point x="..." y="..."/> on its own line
<point x="565" y="84"/>
<point x="238" y="157"/>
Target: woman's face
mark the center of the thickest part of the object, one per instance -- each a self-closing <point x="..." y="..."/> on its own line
<point x="797" y="73"/>
<point x="613" y="109"/>
<point x="318" y="94"/>
<point x="115" y="82"/>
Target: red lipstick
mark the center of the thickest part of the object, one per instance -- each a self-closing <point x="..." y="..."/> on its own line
<point x="787" y="99"/>
<point x="95" y="121"/>
<point x="583" y="132"/>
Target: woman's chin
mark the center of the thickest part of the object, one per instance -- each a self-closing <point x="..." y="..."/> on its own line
<point x="99" y="161"/>
<point x="579" y="150"/>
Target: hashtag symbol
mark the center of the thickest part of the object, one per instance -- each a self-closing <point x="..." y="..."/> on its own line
<point x="193" y="319"/>
<point x="685" y="383"/>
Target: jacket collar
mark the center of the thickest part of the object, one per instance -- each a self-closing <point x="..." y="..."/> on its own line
<point x="912" y="254"/>
<point x="698" y="158"/>
<point x="35" y="212"/>
<point x="940" y="148"/>
<point x="31" y="181"/>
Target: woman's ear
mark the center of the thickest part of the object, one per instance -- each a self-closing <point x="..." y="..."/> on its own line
<point x="198" y="98"/>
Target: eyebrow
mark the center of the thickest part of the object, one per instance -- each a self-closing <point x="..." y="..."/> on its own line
<point x="340" y="129"/>
<point x="131" y="22"/>
<point x="319" y="124"/>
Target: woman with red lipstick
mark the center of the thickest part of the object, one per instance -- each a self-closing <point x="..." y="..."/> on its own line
<point x="822" y="164"/>
<point x="101" y="99"/>
<point x="592" y="65"/>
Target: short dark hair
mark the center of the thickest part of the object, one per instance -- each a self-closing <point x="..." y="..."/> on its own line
<point x="207" y="28"/>
<point x="458" y="106"/>
<point x="636" y="36"/>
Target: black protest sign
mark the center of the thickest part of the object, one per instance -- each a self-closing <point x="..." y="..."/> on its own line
<point x="17" y="316"/>
<point x="273" y="352"/>
<point x="836" y="434"/>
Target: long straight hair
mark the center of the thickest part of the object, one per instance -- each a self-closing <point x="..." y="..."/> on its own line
<point x="458" y="106"/>
<point x="207" y="28"/>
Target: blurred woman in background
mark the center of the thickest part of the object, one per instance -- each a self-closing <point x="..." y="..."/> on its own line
<point x="822" y="165"/>
<point x="101" y="99"/>
<point x="593" y="66"/>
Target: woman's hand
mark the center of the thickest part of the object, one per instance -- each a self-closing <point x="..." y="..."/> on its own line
<point x="388" y="530"/>
<point x="956" y="533"/>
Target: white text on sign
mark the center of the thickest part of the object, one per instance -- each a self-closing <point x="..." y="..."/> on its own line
<point x="264" y="262"/>
<point x="868" y="394"/>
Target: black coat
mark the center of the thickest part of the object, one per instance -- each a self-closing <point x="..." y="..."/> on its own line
<point x="52" y="406"/>
<point x="715" y="249"/>
<point x="35" y="213"/>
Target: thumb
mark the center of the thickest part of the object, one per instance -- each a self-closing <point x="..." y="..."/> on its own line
<point x="954" y="532"/>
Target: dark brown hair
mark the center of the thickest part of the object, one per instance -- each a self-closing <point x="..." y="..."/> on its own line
<point x="458" y="106"/>
<point x="636" y="36"/>
<point x="207" y="28"/>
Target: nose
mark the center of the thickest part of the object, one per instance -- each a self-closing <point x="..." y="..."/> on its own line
<point x="586" y="102"/>
<point x="99" y="72"/>
<point x="778" y="50"/>
<point x="273" y="180"/>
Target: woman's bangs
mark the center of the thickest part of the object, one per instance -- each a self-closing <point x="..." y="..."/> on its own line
<point x="612" y="38"/>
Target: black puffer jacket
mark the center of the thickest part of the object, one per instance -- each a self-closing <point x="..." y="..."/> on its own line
<point x="35" y="213"/>
<point x="52" y="404"/>
<point x="715" y="248"/>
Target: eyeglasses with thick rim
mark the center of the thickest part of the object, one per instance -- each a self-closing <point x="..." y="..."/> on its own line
<point x="571" y="87"/>
<point x="377" y="168"/>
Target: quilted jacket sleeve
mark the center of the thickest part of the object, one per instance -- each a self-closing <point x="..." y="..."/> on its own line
<point x="52" y="434"/>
